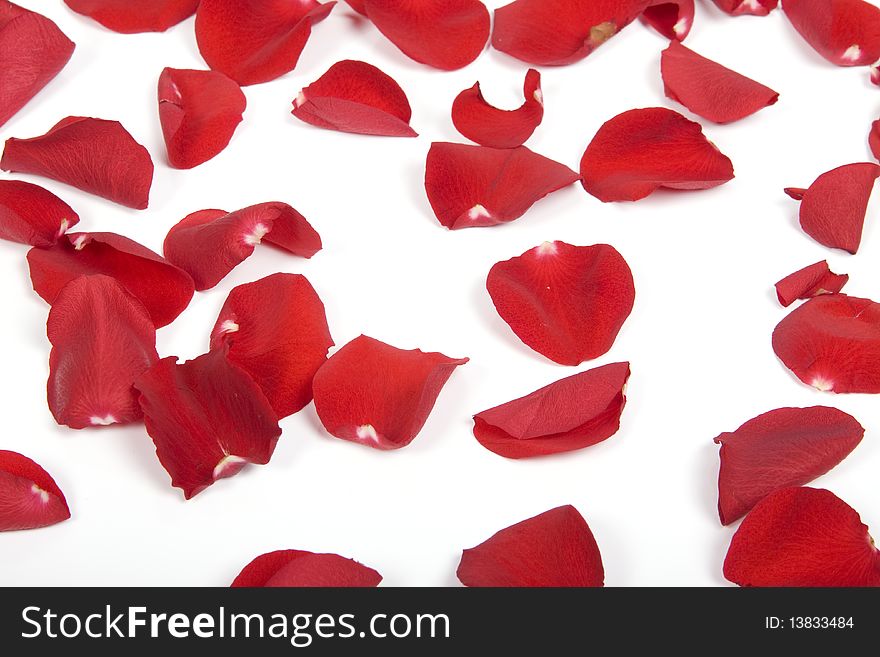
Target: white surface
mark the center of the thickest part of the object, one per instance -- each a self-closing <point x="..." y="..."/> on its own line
<point x="698" y="340"/>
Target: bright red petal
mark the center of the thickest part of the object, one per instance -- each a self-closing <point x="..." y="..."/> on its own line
<point x="565" y="302"/>
<point x="358" y="6"/>
<point x="747" y="7"/>
<point x="133" y="16"/>
<point x="570" y="414"/>
<point x="298" y="568"/>
<point x="553" y="549"/>
<point x="778" y="449"/>
<point x="874" y="139"/>
<point x="845" y="32"/>
<point x="32" y="215"/>
<point x="809" y="282"/>
<point x="29" y="497"/>
<point x="671" y="18"/>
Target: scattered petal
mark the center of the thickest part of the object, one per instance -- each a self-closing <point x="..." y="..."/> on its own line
<point x="809" y="282"/>
<point x="298" y="568"/>
<point x="747" y="7"/>
<point x="32" y="215"/>
<point x="671" y="18"/>
<point x="874" y="139"/>
<point x="131" y="17"/>
<point x="845" y="32"/>
<point x="29" y="497"/>
<point x="358" y="6"/>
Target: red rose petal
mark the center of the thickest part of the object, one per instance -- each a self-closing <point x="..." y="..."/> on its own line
<point x="845" y="32"/>
<point x="355" y="97"/>
<point x="209" y="244"/>
<point x="358" y="6"/>
<point x="133" y="16"/>
<point x="32" y="215"/>
<point x="254" y="42"/>
<point x="802" y="537"/>
<point x="638" y="152"/>
<point x="747" y="7"/>
<point x="472" y="186"/>
<point x="163" y="289"/>
<point x="489" y="126"/>
<point x="207" y="418"/>
<point x="29" y="497"/>
<point x="553" y="549"/>
<point x="371" y="393"/>
<point x="298" y="568"/>
<point x="94" y="155"/>
<point x="673" y="19"/>
<point x="809" y="282"/>
<point x="832" y="342"/>
<point x="565" y="302"/>
<point x="874" y="139"/>
<point x="102" y="340"/>
<point x="199" y="112"/>
<point x="573" y="413"/>
<point x="275" y="329"/>
<point x="33" y="51"/>
<point x="781" y="448"/>
<point x="709" y="89"/>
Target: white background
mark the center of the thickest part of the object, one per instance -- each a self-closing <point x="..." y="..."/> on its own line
<point x="698" y="340"/>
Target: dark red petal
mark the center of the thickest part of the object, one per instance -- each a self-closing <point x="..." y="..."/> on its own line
<point x="199" y="112"/>
<point x="209" y="244"/>
<point x="489" y="126"/>
<point x="747" y="7"/>
<point x="102" y="340"/>
<point x="572" y="413"/>
<point x="133" y="16"/>
<point x="833" y="208"/>
<point x="709" y="89"/>
<point x="845" y="32"/>
<point x="163" y="289"/>
<point x="638" y="152"/>
<point x="809" y="282"/>
<point x="298" y="568"/>
<point x="32" y="215"/>
<point x="207" y="418"/>
<point x="377" y="395"/>
<point x="472" y="186"/>
<point x="33" y="51"/>
<point x="802" y="537"/>
<point x="355" y="97"/>
<point x="276" y="331"/>
<point x="874" y="139"/>
<point x="93" y="155"/>
<point x="29" y="497"/>
<point x="781" y="448"/>
<point x="832" y="342"/>
<point x="445" y="34"/>
<point x="565" y="302"/>
<point x="254" y="42"/>
<point x="553" y="549"/>
<point x="671" y="18"/>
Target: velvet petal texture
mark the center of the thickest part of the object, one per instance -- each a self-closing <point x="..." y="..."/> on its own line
<point x="29" y="497"/>
<point x="565" y="302"/>
<point x="133" y="16"/>
<point x="845" y="32"/>
<point x="371" y="393"/>
<point x="747" y="7"/>
<point x="803" y="537"/>
<point x="298" y="568"/>
<point x="809" y="282"/>
<point x="781" y="448"/>
<point x="97" y="156"/>
<point x="553" y="549"/>
<point x="32" y="215"/>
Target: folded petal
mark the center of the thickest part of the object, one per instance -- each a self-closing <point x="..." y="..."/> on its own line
<point x="565" y="302"/>
<point x="671" y="18"/>
<point x="845" y="32"/>
<point x="29" y="497"/>
<point x="32" y="215"/>
<point x="809" y="282"/>
<point x="747" y="7"/>
<point x="298" y="568"/>
<point x="133" y="16"/>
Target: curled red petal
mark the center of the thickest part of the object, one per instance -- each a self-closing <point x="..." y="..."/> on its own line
<point x="569" y="414"/>
<point x="489" y="126"/>
<point x="565" y="302"/>
<point x="355" y="97"/>
<point x="671" y="18"/>
<point x="163" y="289"/>
<point x="638" y="152"/>
<point x="207" y="418"/>
<point x="29" y="497"/>
<point x="199" y="112"/>
<point x="133" y="16"/>
<point x="32" y="215"/>
<point x="709" y="89"/>
<point x="553" y="549"/>
<point x="102" y="340"/>
<point x="33" y="51"/>
<point x="298" y="568"/>
<point x="845" y="32"/>
<point x="275" y="329"/>
<point x="209" y="244"/>
<point x="832" y="342"/>
<point x="97" y="156"/>
<point x="472" y="186"/>
<point x="781" y="448"/>
<point x="254" y="42"/>
<point x="747" y="7"/>
<point x="371" y="393"/>
<point x="802" y="537"/>
<point x="809" y="282"/>
<point x="874" y="139"/>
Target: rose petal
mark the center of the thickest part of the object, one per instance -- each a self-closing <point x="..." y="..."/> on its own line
<point x="32" y="215"/>
<point x="671" y="18"/>
<point x="358" y="6"/>
<point x="845" y="32"/>
<point x="298" y="568"/>
<point x="472" y="186"/>
<point x="565" y="302"/>
<point x="747" y="7"/>
<point x="809" y="282"/>
<point x="569" y="414"/>
<point x="553" y="549"/>
<point x="29" y="497"/>
<point x="94" y="155"/>
<point x="874" y="139"/>
<point x="781" y="448"/>
<point x="133" y="16"/>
